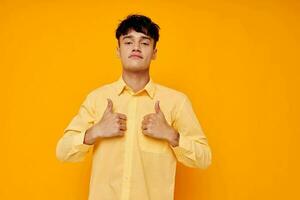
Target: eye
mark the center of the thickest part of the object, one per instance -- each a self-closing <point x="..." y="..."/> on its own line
<point x="128" y="42"/>
<point x="145" y="43"/>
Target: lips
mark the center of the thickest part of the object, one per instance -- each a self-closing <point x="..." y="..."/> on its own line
<point x="135" y="56"/>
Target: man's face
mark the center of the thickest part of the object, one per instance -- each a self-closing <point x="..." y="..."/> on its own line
<point x="136" y="51"/>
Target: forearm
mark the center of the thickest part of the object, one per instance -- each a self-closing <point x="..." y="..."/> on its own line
<point x="193" y="152"/>
<point x="193" y="149"/>
<point x="71" y="148"/>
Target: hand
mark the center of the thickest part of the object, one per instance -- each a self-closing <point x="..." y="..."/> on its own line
<point x="111" y="125"/>
<point x="155" y="125"/>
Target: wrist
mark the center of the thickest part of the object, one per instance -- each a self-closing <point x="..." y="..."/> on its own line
<point x="173" y="137"/>
<point x="90" y="136"/>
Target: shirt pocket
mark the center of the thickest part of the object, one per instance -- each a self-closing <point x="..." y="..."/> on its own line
<point x="153" y="145"/>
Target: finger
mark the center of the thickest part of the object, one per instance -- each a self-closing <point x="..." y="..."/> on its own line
<point x="145" y="132"/>
<point x="123" y="127"/>
<point x="147" y="116"/>
<point x="121" y="133"/>
<point x="147" y="121"/>
<point x="122" y="116"/>
<point x="122" y="121"/>
<point x="144" y="126"/>
<point x="144" y="122"/>
<point x="157" y="107"/>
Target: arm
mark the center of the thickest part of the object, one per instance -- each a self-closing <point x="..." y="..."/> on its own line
<point x="71" y="146"/>
<point x="191" y="147"/>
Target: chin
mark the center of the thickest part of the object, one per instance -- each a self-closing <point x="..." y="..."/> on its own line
<point x="135" y="68"/>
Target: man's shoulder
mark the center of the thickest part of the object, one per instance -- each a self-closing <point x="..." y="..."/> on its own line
<point x="101" y="90"/>
<point x="164" y="90"/>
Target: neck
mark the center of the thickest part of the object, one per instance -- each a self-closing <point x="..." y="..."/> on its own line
<point x="136" y="80"/>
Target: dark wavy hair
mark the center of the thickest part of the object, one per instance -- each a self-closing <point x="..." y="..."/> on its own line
<point x="139" y="23"/>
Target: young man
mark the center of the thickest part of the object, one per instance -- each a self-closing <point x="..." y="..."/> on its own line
<point x="136" y="129"/>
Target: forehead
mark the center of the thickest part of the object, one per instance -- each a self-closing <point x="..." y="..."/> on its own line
<point x="132" y="34"/>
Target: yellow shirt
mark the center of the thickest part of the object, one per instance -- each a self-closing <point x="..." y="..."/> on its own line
<point x="135" y="166"/>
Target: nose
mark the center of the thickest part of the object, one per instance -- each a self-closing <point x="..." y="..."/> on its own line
<point x="136" y="47"/>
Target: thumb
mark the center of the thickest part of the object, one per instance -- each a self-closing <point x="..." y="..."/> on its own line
<point x="109" y="107"/>
<point x="157" y="107"/>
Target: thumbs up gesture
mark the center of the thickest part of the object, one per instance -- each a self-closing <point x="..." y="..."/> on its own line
<point x="155" y="125"/>
<point x="111" y="124"/>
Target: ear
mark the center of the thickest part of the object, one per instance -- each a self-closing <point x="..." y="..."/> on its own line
<point x="118" y="51"/>
<point x="154" y="54"/>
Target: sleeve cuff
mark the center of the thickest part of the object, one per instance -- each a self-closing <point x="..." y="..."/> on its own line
<point x="183" y="147"/>
<point x="78" y="142"/>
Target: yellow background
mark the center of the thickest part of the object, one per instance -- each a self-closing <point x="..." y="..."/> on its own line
<point x="238" y="61"/>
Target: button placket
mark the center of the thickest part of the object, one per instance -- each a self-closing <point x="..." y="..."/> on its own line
<point x="131" y="129"/>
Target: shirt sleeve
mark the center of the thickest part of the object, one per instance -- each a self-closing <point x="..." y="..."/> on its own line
<point x="193" y="149"/>
<point x="70" y="147"/>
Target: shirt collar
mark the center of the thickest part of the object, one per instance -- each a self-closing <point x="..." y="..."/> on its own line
<point x="150" y="86"/>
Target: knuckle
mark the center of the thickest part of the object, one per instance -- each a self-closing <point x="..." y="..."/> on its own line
<point x="116" y="126"/>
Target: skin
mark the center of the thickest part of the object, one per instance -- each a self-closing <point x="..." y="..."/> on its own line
<point x="136" y="51"/>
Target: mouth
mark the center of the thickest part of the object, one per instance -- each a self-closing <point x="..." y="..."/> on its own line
<point x="136" y="57"/>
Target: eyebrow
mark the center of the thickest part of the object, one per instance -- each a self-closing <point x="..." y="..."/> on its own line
<point x="130" y="37"/>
